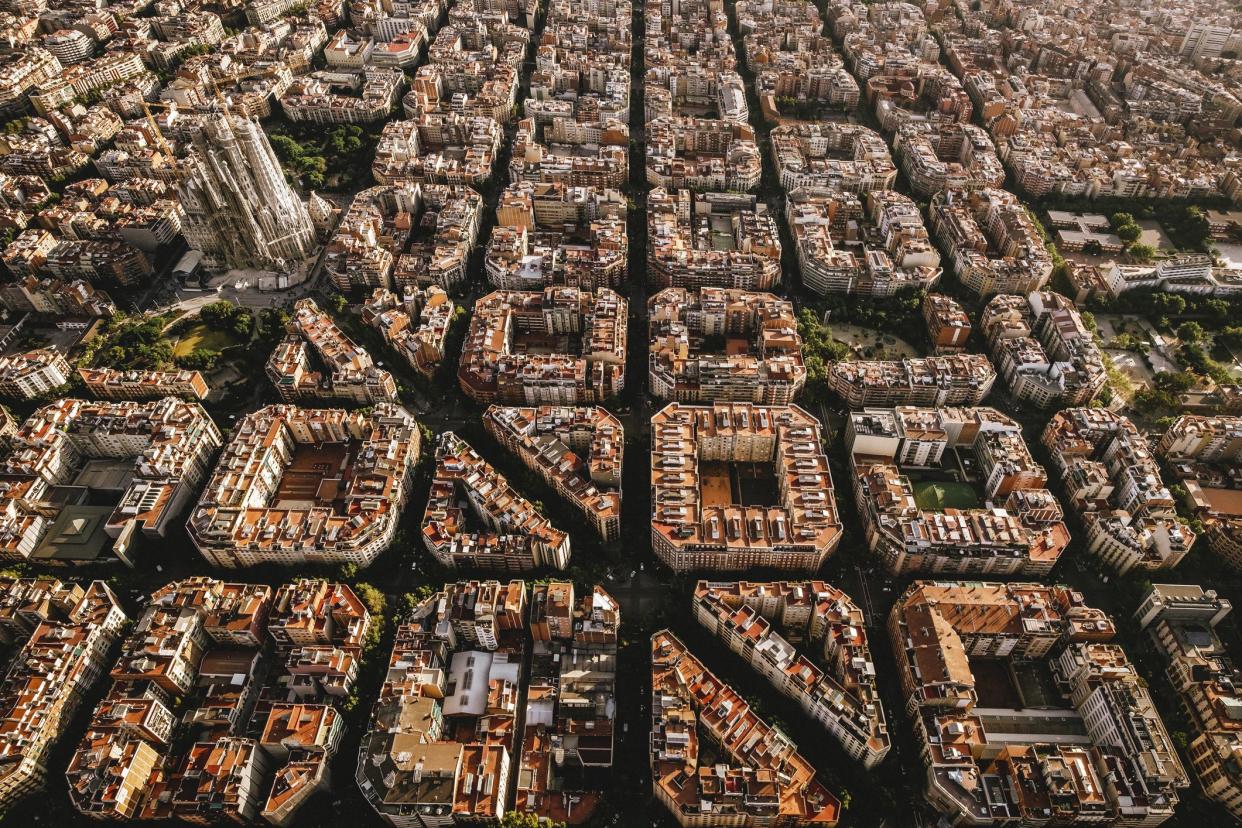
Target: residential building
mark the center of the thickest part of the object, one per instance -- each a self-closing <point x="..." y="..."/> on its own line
<point x="757" y="776"/>
<point x="54" y="668"/>
<point x="1203" y="453"/>
<point x="416" y="325"/>
<point x="33" y="374"/>
<point x="991" y="762"/>
<point x="113" y="384"/>
<point x="948" y="326"/>
<point x="697" y="523"/>
<point x="559" y="346"/>
<point x="835" y="685"/>
<point x="1014" y="525"/>
<point x="1114" y="484"/>
<point x="881" y="250"/>
<point x="577" y="451"/>
<point x="502" y="530"/>
<point x="70" y="443"/>
<point x="349" y="373"/>
<point x="1043" y="349"/>
<point x="299" y="485"/>
<point x="724" y="345"/>
<point x="958" y="379"/>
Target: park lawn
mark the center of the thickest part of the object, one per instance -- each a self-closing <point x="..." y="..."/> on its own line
<point x="199" y="335"/>
<point x="936" y="496"/>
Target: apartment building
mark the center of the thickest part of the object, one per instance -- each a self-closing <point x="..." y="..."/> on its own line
<point x="570" y="721"/>
<point x="939" y="156"/>
<point x="948" y="326"/>
<point x="438" y="148"/>
<point x="169" y="442"/>
<point x="958" y="379"/>
<point x="32" y="374"/>
<point x="552" y="233"/>
<point x="52" y="296"/>
<point x="727" y="240"/>
<point x="835" y="685"/>
<point x="349" y="373"/>
<point x="1203" y="454"/>
<point x="23" y="70"/>
<point x="197" y="727"/>
<point x="691" y="64"/>
<point x="416" y="325"/>
<point x="992" y="242"/>
<point x="1182" y="620"/>
<point x="758" y="774"/>
<point x="1192" y="273"/>
<point x="558" y="346"/>
<point x="702" y="154"/>
<point x="835" y="156"/>
<point x="113" y="384"/>
<point x="446" y="737"/>
<point x="1015" y="525"/>
<point x="1114" y="484"/>
<point x="876" y="247"/>
<point x="581" y="80"/>
<point x="387" y="238"/>
<point x="63" y="641"/>
<point x="373" y="92"/>
<point x="472" y="67"/>
<point x="299" y="485"/>
<point x="718" y="345"/>
<point x="577" y="451"/>
<point x="1043" y="349"/>
<point x="790" y="57"/>
<point x="702" y="521"/>
<point x="551" y="147"/>
<point x="509" y="534"/>
<point x="990" y="762"/>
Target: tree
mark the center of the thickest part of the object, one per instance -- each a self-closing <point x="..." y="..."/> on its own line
<point x="1230" y="337"/>
<point x="1174" y="382"/>
<point x="1196" y="226"/>
<point x="218" y="315"/>
<point x="1092" y="248"/>
<point x="1190" y="332"/>
<point x="1120" y="219"/>
<point x="521" y="819"/>
<point x="1129" y="232"/>
<point x="242" y="325"/>
<point x="375" y="600"/>
<point x="410" y="600"/>
<point x="1141" y="252"/>
<point x="200" y="359"/>
<point x="272" y="323"/>
<point x="1217" y="309"/>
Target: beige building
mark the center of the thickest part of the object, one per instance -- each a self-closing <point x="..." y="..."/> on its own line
<point x="736" y="486"/>
<point x="719" y="345"/>
<point x="299" y="485"/>
<point x="577" y="451"/>
<point x="1094" y="751"/>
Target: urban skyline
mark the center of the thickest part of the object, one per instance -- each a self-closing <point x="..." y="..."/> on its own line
<point x="696" y="413"/>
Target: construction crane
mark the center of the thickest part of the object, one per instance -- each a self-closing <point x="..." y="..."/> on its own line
<point x="155" y="127"/>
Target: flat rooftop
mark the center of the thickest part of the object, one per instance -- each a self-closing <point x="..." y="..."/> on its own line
<point x="77" y="535"/>
<point x="317" y="475"/>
